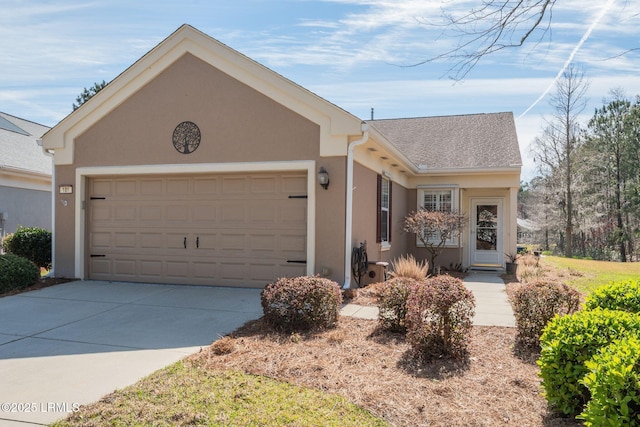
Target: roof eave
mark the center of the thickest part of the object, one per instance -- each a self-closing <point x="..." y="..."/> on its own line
<point x="24" y="173"/>
<point x="469" y="171"/>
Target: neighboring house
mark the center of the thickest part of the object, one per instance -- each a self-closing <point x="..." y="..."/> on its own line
<point x="25" y="176"/>
<point x="527" y="231"/>
<point x="198" y="165"/>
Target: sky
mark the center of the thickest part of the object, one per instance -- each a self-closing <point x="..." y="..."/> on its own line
<point x="357" y="54"/>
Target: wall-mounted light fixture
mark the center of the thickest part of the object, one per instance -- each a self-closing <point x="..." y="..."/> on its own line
<point x="323" y="178"/>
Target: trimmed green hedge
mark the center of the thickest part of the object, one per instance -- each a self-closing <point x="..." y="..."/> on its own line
<point x="623" y="296"/>
<point x="32" y="243"/>
<point x="614" y="383"/>
<point x="17" y="273"/>
<point x="567" y="343"/>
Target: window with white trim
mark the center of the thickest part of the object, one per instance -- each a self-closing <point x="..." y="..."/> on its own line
<point x="383" y="232"/>
<point x="438" y="199"/>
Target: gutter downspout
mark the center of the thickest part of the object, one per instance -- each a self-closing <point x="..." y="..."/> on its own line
<point x="53" y="208"/>
<point x="349" y="207"/>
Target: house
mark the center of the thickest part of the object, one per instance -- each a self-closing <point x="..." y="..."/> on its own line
<point x="198" y="165"/>
<point x="25" y="176"/>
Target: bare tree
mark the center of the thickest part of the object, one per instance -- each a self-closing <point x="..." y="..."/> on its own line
<point x="554" y="150"/>
<point x="434" y="229"/>
<point x="493" y="26"/>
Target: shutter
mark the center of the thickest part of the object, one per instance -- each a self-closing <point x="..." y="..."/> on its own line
<point x="390" y="205"/>
<point x="378" y="207"/>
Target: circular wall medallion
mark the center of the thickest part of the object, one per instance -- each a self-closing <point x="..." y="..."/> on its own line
<point x="186" y="137"/>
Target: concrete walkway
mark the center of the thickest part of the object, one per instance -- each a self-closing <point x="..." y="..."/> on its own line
<point x="492" y="305"/>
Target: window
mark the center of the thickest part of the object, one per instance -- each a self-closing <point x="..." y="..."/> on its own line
<point x="438" y="199"/>
<point x="383" y="232"/>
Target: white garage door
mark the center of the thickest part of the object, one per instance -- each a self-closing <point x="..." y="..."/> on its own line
<point x="228" y="230"/>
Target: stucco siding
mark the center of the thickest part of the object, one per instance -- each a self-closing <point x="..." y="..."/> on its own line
<point x="238" y="126"/>
<point x="364" y="218"/>
<point x="237" y="123"/>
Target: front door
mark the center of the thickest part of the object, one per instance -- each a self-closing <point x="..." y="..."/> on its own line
<point x="486" y="233"/>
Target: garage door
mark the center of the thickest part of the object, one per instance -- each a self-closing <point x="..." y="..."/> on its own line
<point x="228" y="230"/>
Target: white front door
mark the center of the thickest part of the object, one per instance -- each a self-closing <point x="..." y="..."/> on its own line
<point x="486" y="233"/>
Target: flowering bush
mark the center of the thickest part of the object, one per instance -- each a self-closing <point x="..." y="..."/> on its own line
<point x="393" y="303"/>
<point x="301" y="303"/>
<point x="535" y="304"/>
<point x="439" y="317"/>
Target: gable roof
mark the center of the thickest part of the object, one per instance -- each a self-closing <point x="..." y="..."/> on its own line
<point x="465" y="142"/>
<point x="336" y="125"/>
<point x="19" y="146"/>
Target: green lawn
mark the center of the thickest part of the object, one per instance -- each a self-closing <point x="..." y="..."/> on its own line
<point x="183" y="394"/>
<point x="587" y="275"/>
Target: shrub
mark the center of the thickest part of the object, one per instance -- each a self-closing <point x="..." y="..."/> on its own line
<point x="393" y="303"/>
<point x="16" y="273"/>
<point x="439" y="317"/>
<point x="6" y="242"/>
<point x="614" y="383"/>
<point x="567" y="343"/>
<point x="33" y="244"/>
<point x="301" y="303"/>
<point x="624" y="296"/>
<point x="407" y="266"/>
<point x="535" y="304"/>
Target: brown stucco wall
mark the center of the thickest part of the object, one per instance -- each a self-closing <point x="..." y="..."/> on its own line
<point x="364" y="215"/>
<point x="237" y="124"/>
<point x="447" y="257"/>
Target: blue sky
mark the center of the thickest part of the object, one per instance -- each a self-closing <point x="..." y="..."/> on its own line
<point x="350" y="52"/>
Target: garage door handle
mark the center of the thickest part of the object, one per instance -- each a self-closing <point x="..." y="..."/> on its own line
<point x="185" y="243"/>
<point x="297" y="261"/>
<point x="198" y="242"/>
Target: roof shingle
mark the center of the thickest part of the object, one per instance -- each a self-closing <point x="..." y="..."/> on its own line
<point x="18" y="145"/>
<point x="474" y="141"/>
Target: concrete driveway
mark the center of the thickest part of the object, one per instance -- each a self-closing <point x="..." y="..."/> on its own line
<point x="71" y="344"/>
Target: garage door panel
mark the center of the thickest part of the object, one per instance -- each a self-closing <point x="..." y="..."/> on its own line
<point x="204" y="213"/>
<point x="177" y="213"/>
<point x="264" y="185"/>
<point x="100" y="240"/>
<point x="151" y="187"/>
<point x="232" y="213"/>
<point x="151" y="240"/>
<point x="151" y="213"/>
<point x="124" y="267"/>
<point x="207" y="186"/>
<point x="126" y="187"/>
<point x="240" y="229"/>
<point x="178" y="186"/>
<point x="126" y="240"/>
<point x="150" y="268"/>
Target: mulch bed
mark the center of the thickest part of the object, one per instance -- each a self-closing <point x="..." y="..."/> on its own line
<point x="375" y="369"/>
